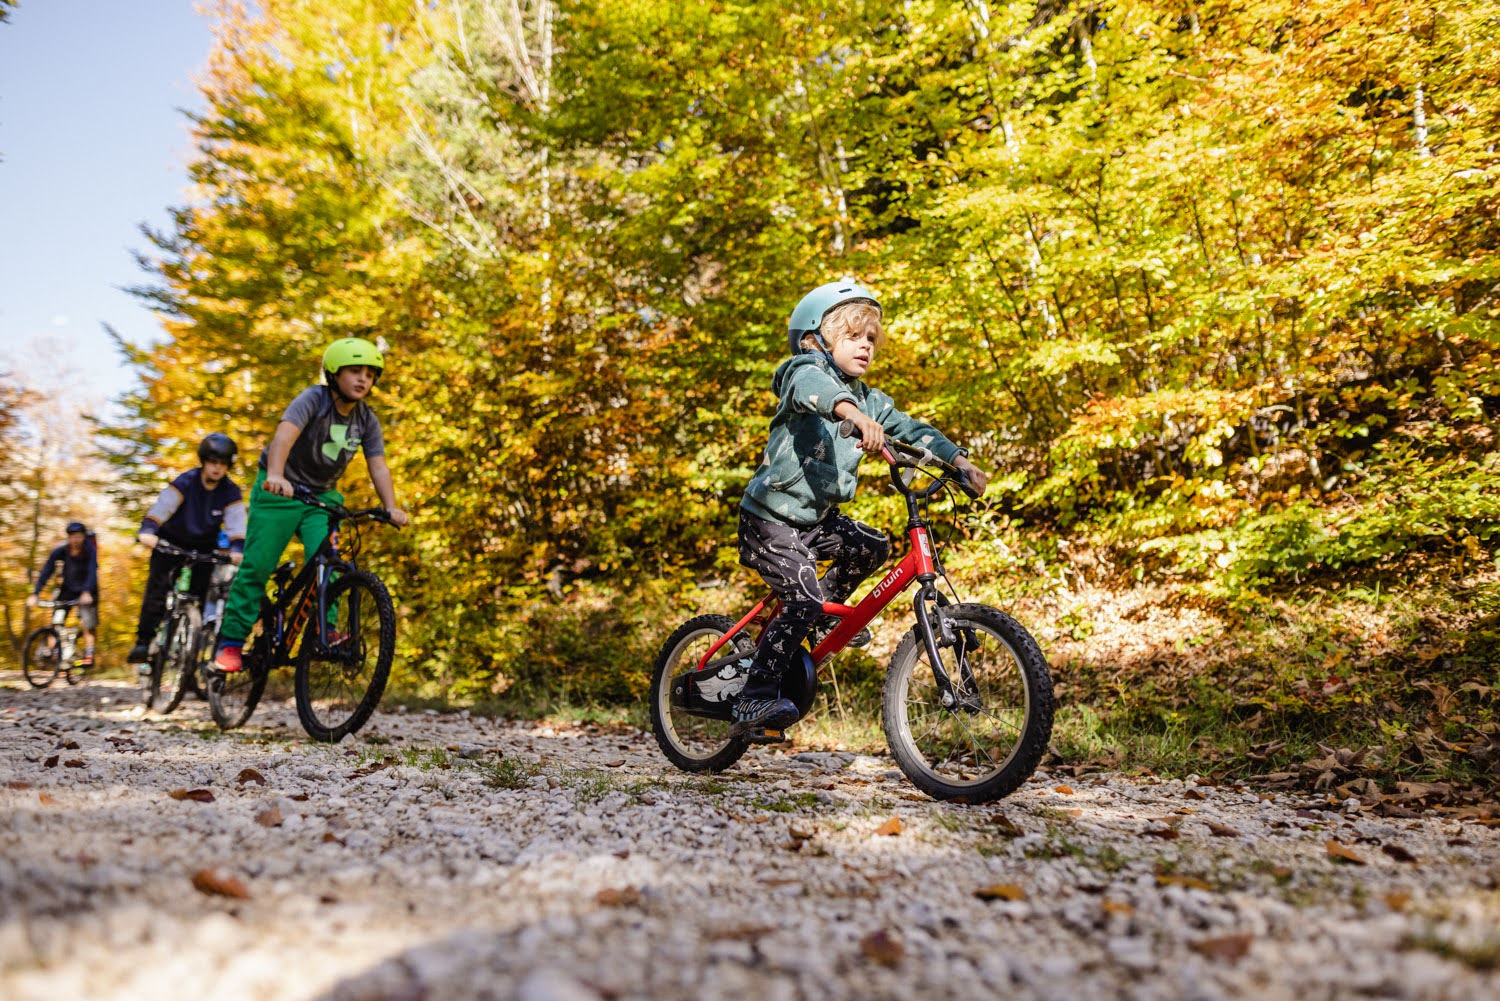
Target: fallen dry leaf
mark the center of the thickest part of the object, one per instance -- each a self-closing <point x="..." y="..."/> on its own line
<point x="890" y="828"/>
<point x="1397" y="900"/>
<point x="1004" y="826"/>
<point x="882" y="947"/>
<point x="196" y="795"/>
<point x="741" y="933"/>
<point x="626" y="896"/>
<point x="1193" y="882"/>
<point x="1398" y="853"/>
<point x="73" y="763"/>
<point x="1165" y="833"/>
<point x="1116" y="907"/>
<point x="50" y="762"/>
<point x="269" y="817"/>
<point x="801" y="830"/>
<point x="217" y="882"/>
<point x="250" y="775"/>
<point x="1222" y="830"/>
<point x="330" y="838"/>
<point x="1065" y="790"/>
<point x="18" y="785"/>
<point x="67" y="745"/>
<point x="1000" y="891"/>
<point x="46" y="799"/>
<point x="1342" y="853"/>
<point x="1194" y="794"/>
<point x="617" y="763"/>
<point x="1230" y="948"/>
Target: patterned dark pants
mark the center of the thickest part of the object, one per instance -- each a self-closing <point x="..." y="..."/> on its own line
<point x="787" y="557"/>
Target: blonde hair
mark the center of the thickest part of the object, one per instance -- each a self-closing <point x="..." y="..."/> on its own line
<point x="850" y="318"/>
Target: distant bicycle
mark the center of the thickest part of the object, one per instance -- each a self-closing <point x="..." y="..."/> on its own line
<point x="174" y="662"/>
<point x="340" y="622"/>
<point x="53" y="649"/>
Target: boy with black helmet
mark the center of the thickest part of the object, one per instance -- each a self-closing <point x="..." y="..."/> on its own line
<point x="317" y="437"/>
<point x="189" y="514"/>
<point x="789" y="516"/>
<point x="78" y="559"/>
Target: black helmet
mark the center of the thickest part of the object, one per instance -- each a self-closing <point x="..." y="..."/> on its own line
<point x="217" y="447"/>
<point x="77" y="526"/>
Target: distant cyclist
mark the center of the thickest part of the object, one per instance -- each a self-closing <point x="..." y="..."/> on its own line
<point x="79" y="581"/>
<point x="189" y="513"/>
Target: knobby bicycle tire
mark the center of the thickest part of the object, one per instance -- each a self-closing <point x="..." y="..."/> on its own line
<point x="41" y="671"/>
<point x="1015" y="701"/>
<point x="232" y="698"/>
<point x="334" y="699"/>
<point x="170" y="682"/>
<point x="674" y="658"/>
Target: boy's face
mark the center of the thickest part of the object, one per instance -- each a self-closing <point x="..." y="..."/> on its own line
<point x="855" y="353"/>
<point x="355" y="381"/>
<point x="214" y="470"/>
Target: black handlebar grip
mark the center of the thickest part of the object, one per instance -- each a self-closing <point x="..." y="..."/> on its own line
<point x="848" y="429"/>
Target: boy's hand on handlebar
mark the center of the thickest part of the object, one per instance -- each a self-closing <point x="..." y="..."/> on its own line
<point x="399" y="518"/>
<point x="148" y="540"/>
<point x="85" y="598"/>
<point x="977" y="477"/>
<point x="278" y="485"/>
<point x="31" y="600"/>
<point x="869" y="432"/>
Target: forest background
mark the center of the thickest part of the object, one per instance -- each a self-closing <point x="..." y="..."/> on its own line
<point x="1212" y="288"/>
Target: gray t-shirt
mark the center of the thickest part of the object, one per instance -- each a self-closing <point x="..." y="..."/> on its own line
<point x="328" y="439"/>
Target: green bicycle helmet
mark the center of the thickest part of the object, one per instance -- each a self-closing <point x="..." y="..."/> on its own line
<point x="808" y="316"/>
<point x="351" y="351"/>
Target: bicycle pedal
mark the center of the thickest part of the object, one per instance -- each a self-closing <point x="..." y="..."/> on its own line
<point x="766" y="735"/>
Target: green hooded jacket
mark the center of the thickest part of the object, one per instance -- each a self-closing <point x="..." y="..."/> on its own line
<point x="808" y="469"/>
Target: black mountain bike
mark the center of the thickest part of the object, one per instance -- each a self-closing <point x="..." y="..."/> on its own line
<point x="335" y="622"/>
<point x="171" y="668"/>
<point x="52" y="650"/>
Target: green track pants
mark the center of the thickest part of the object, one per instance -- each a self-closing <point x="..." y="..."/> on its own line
<point x="273" y="522"/>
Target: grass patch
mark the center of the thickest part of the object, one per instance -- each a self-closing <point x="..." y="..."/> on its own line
<point x="788" y="804"/>
<point x="508" y="773"/>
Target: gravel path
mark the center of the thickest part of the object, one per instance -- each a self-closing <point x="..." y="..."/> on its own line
<point x="439" y="856"/>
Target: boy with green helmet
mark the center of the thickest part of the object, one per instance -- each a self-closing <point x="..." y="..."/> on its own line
<point x="789" y="516"/>
<point x="317" y="437"/>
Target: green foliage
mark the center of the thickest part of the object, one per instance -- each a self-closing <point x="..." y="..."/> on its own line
<point x="1213" y="287"/>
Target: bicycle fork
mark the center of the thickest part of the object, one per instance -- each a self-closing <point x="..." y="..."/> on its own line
<point x="966" y="695"/>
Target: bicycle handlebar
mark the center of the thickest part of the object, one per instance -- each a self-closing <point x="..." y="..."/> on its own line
<point x="193" y="556"/>
<point x="56" y="604"/>
<point x="307" y="497"/>
<point x="917" y="457"/>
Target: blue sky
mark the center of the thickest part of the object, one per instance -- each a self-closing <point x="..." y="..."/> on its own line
<point x="92" y="145"/>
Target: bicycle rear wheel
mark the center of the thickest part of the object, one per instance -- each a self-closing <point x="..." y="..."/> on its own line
<point x="41" y="658"/>
<point x="693" y="743"/>
<point x="990" y="741"/>
<point x="170" y="674"/>
<point x="339" y="684"/>
<point x="233" y="697"/>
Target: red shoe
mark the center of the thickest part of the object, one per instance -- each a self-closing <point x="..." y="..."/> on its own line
<point x="229" y="660"/>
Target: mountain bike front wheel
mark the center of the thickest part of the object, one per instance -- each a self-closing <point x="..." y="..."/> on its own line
<point x="339" y="682"/>
<point x="693" y="743"/>
<point x="41" y="658"/>
<point x="170" y="669"/>
<point x="984" y="737"/>
<point x="233" y="697"/>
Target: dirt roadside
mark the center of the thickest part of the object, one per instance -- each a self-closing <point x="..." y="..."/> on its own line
<point x="442" y="856"/>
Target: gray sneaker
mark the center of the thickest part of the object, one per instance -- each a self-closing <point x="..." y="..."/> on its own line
<point x="754" y="716"/>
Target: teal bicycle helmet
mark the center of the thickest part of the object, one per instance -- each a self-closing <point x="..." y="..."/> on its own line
<point x="808" y="316"/>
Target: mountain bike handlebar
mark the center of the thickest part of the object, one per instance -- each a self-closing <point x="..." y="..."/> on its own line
<point x="191" y="555"/>
<point x="339" y="511"/>
<point x="56" y="604"/>
<point x="898" y="453"/>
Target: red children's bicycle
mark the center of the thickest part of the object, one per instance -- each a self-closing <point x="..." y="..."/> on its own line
<point x="967" y="701"/>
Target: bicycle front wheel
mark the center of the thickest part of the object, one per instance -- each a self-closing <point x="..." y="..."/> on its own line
<point x="233" y="697"/>
<point x="339" y="683"/>
<point x="170" y="675"/>
<point x="41" y="658"/>
<point x="990" y="738"/>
